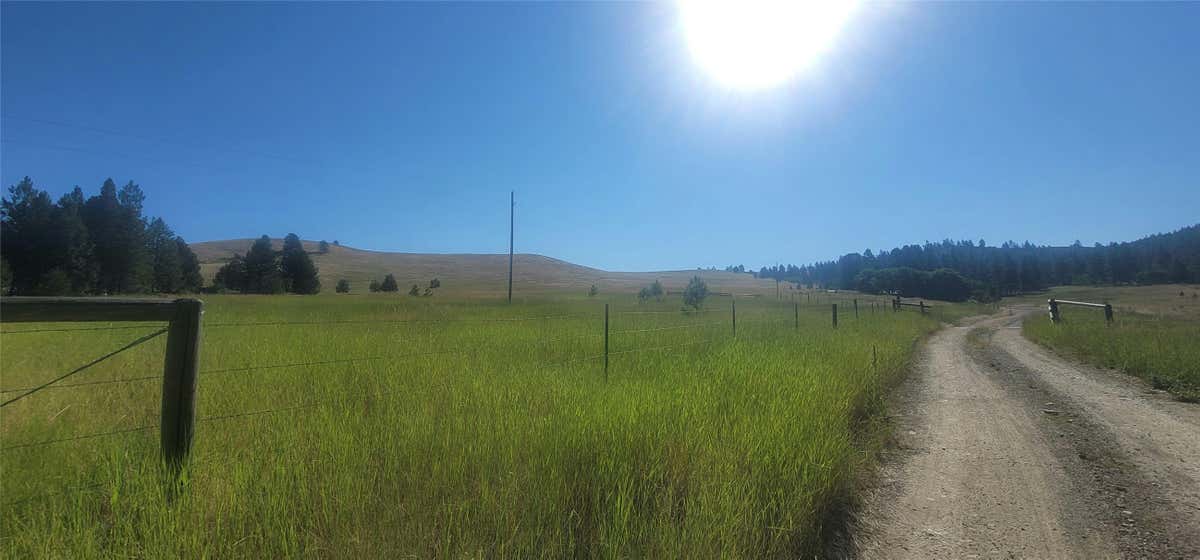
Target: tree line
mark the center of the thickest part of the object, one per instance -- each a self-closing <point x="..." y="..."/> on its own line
<point x="266" y="271"/>
<point x="89" y="245"/>
<point x="987" y="272"/>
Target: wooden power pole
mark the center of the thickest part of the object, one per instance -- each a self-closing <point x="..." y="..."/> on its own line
<point x="512" y="205"/>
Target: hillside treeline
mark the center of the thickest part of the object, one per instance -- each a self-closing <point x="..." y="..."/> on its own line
<point x="96" y="245"/>
<point x="991" y="272"/>
<point x="266" y="271"/>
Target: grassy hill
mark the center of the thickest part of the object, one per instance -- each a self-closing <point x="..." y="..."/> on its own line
<point x="476" y="274"/>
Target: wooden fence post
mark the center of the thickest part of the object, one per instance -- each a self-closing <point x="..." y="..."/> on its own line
<point x="606" y="342"/>
<point x="796" y="311"/>
<point x="834" y="315"/>
<point x="855" y="308"/>
<point x="1053" y="305"/>
<point x="179" y="381"/>
<point x="922" y="305"/>
<point x="1108" y="314"/>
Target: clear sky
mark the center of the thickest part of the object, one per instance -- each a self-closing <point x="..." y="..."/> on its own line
<point x="403" y="126"/>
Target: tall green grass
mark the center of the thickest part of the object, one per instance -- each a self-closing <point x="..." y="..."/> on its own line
<point x="1164" y="350"/>
<point x="736" y="447"/>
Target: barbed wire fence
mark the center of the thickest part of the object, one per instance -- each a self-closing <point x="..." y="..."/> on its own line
<point x="300" y="405"/>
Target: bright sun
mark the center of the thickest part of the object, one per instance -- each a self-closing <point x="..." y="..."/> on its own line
<point x="752" y="45"/>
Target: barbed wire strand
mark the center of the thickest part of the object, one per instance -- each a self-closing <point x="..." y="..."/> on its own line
<point x="293" y="364"/>
<point x="136" y="342"/>
<point x="398" y="321"/>
<point x="76" y="329"/>
<point x="301" y="406"/>
<point x="671" y="328"/>
<point x="77" y="438"/>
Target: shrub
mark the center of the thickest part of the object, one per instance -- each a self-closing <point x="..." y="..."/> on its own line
<point x="414" y="291"/>
<point x="593" y="291"/>
<point x="343" y="286"/>
<point x="374" y="287"/>
<point x="389" y="284"/>
<point x="695" y="293"/>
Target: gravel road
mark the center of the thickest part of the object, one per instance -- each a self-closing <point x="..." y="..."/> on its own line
<point x="1005" y="450"/>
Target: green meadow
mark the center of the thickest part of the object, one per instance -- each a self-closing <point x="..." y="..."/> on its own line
<point x="389" y="426"/>
<point x="1154" y="334"/>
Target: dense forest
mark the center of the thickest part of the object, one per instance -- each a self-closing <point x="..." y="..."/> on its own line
<point x="98" y="245"/>
<point x="986" y="272"/>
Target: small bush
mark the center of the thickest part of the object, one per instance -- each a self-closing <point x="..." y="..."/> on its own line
<point x="343" y="286"/>
<point x="695" y="293"/>
<point x="389" y="284"/>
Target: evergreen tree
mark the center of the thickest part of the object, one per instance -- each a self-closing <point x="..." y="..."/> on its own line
<point x="168" y="271"/>
<point x="298" y="271"/>
<point x="231" y="276"/>
<point x="389" y="284"/>
<point x="115" y="225"/>
<point x="342" y="287"/>
<point x="189" y="267"/>
<point x="262" y="269"/>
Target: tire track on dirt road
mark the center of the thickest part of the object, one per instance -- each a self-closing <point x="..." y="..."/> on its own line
<point x="1000" y="453"/>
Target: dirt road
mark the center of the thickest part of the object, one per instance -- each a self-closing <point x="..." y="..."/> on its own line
<point x="1005" y="450"/>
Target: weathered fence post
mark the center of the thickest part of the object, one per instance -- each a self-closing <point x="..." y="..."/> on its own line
<point x="855" y="308"/>
<point x="922" y="305"/>
<point x="606" y="342"/>
<point x="179" y="381"/>
<point x="796" y="311"/>
<point x="1054" y="316"/>
<point x="834" y="314"/>
<point x="874" y="358"/>
<point x="1108" y="316"/>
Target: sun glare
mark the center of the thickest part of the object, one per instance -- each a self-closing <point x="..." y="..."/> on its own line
<point x="751" y="45"/>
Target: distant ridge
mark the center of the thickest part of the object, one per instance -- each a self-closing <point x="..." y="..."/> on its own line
<point x="475" y="273"/>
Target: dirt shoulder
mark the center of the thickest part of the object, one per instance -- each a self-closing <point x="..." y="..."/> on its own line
<point x="994" y="457"/>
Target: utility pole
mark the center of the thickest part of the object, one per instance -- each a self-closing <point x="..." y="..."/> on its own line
<point x="512" y="205"/>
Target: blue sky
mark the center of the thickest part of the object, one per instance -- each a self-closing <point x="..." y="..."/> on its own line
<point x="404" y="126"/>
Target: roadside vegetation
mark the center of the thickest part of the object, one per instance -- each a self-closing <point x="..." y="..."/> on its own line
<point x="369" y="425"/>
<point x="1154" y="333"/>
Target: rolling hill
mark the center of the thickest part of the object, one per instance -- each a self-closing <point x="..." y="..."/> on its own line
<point x="476" y="274"/>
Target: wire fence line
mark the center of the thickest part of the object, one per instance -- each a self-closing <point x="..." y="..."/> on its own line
<point x="288" y="365"/>
<point x="80" y="437"/>
<point x="75" y="329"/>
<point x="399" y="321"/>
<point x="670" y="328"/>
<point x="355" y="395"/>
<point x="84" y="367"/>
<point x="303" y="405"/>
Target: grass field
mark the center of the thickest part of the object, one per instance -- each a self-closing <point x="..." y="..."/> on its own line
<point x="1154" y="335"/>
<point x="455" y="431"/>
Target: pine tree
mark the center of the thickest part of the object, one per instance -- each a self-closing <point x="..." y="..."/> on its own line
<point x="389" y="284"/>
<point x="298" y="271"/>
<point x="262" y="269"/>
<point x="189" y="267"/>
<point x="232" y="276"/>
<point x="168" y="271"/>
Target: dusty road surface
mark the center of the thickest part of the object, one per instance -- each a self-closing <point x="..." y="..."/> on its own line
<point x="1005" y="450"/>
